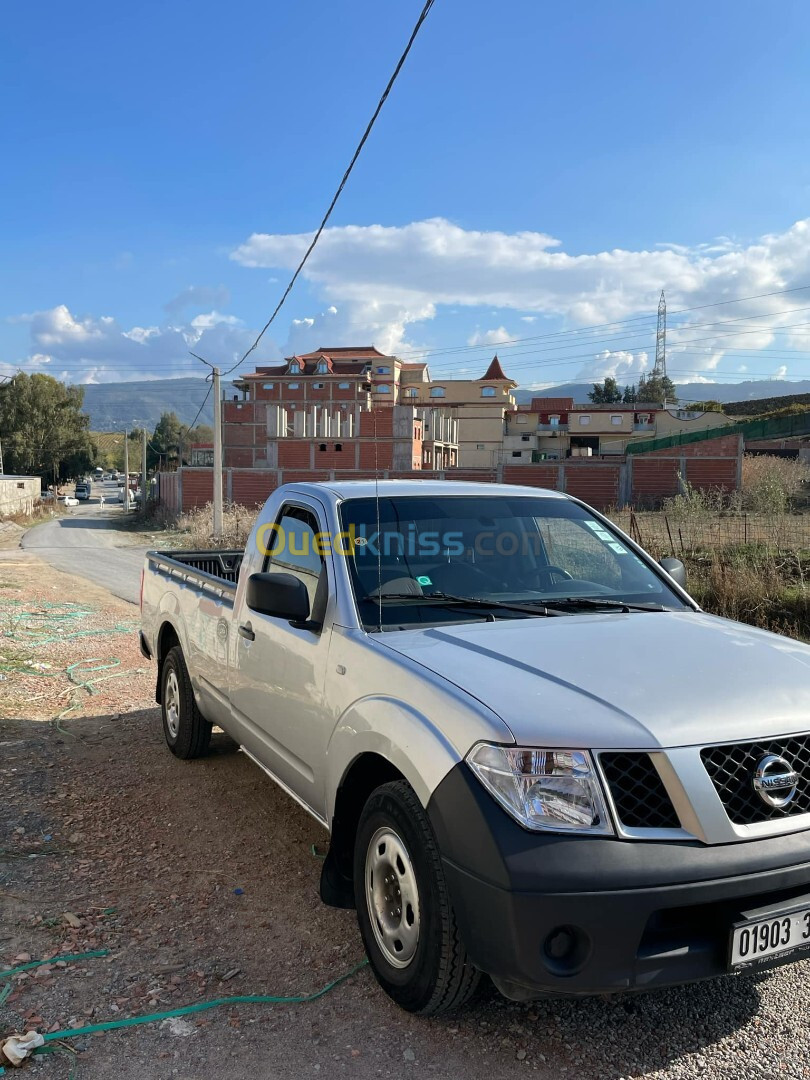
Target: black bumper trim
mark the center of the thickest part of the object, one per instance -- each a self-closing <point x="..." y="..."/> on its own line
<point x="144" y="647"/>
<point x="651" y="913"/>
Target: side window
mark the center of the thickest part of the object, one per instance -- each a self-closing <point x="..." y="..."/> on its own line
<point x="293" y="548"/>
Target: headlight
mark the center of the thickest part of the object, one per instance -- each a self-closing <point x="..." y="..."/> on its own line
<point x="543" y="789"/>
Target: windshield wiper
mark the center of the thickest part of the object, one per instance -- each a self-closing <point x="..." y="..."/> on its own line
<point x="594" y="602"/>
<point x="451" y="600"/>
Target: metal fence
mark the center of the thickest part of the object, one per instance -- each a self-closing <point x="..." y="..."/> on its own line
<point x="660" y="532"/>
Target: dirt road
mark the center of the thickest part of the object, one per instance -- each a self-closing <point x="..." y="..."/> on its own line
<point x="200" y="880"/>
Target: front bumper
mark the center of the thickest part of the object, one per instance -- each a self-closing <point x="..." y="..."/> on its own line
<point x="635" y="914"/>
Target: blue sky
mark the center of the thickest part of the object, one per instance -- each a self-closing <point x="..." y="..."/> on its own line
<point x="539" y="168"/>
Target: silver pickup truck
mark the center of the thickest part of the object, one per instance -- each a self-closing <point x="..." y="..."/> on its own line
<point x="535" y="756"/>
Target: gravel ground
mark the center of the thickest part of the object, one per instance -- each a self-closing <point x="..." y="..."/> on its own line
<point x="201" y="881"/>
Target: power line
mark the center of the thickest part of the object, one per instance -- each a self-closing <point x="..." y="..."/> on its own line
<point x="341" y="185"/>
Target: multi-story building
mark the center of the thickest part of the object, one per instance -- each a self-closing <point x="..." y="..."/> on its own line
<point x="552" y="428"/>
<point x="461" y="421"/>
<point x="335" y="409"/>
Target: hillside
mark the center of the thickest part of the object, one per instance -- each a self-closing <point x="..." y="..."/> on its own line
<point x="116" y="406"/>
<point x="740" y="394"/>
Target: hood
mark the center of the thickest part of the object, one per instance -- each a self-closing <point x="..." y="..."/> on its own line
<point x="638" y="680"/>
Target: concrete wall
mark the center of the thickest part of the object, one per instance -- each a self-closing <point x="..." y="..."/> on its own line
<point x="18" y="494"/>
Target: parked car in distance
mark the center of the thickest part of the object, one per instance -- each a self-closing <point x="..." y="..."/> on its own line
<point x="83" y="490"/>
<point x="68" y="500"/>
<point x="534" y="754"/>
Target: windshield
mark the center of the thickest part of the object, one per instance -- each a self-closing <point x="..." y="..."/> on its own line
<point x="414" y="560"/>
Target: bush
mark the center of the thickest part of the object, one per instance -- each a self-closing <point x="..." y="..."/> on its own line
<point x="771" y="485"/>
<point x="198" y="526"/>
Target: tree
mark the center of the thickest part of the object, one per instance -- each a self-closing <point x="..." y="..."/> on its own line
<point x="630" y="395"/>
<point x="43" y="429"/>
<point x="607" y="394"/>
<point x="707" y="406"/>
<point x="654" y="389"/>
<point x="164" y="446"/>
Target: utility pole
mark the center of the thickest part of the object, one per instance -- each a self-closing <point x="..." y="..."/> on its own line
<point x="126" y="471"/>
<point x="144" y="485"/>
<point x="217" y="457"/>
<point x="2" y="471"/>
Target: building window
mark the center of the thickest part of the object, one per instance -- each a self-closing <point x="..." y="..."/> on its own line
<point x="318" y="386"/>
<point x="437" y="391"/>
<point x="480" y="446"/>
<point x="521" y="419"/>
<point x="584" y="420"/>
<point x="295" y="368"/>
<point x="338" y="446"/>
<point x="322" y="446"/>
<point x="615" y="420"/>
<point x="322" y="368"/>
<point x="383" y="388"/>
<point x="554" y="421"/>
<point x="517" y="453"/>
<point x="488" y="391"/>
<point x="344" y="386"/>
<point x="383" y="370"/>
<point x="292" y="386"/>
<point x="411" y="392"/>
<point x="268" y="386"/>
<point x="525" y="438"/>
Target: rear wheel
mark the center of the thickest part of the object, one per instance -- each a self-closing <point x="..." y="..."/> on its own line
<point x="403" y="906"/>
<point x="187" y="731"/>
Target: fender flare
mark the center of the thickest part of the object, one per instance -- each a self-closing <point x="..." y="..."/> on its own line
<point x="395" y="731"/>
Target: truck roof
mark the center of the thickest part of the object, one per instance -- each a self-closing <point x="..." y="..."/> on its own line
<point x="367" y="489"/>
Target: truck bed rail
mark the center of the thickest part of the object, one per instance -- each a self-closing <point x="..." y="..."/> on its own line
<point x="215" y="572"/>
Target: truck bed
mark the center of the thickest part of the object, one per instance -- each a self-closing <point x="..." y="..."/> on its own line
<point x="213" y="571"/>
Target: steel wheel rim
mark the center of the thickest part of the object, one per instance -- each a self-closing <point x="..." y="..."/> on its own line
<point x="392" y="898"/>
<point x="171" y="698"/>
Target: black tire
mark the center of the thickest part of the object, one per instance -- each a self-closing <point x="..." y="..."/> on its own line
<point x="187" y="732"/>
<point x="438" y="975"/>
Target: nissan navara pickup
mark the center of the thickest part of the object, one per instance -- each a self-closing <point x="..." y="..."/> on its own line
<point x="535" y="756"/>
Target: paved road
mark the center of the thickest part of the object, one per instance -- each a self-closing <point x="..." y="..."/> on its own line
<point x="85" y="542"/>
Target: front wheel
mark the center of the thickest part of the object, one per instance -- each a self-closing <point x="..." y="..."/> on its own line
<point x="187" y="731"/>
<point x="403" y="906"/>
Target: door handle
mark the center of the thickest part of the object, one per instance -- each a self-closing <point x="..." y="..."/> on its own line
<point x="246" y="632"/>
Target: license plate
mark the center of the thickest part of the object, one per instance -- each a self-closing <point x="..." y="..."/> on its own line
<point x="757" y="938"/>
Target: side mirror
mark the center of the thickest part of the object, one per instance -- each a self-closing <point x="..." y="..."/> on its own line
<point x="280" y="595"/>
<point x="675" y="569"/>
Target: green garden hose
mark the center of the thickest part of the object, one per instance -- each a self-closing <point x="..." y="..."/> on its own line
<point x="186" y="1010"/>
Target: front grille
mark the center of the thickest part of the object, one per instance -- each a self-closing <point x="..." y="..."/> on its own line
<point x="731" y="769"/>
<point x="640" y="798"/>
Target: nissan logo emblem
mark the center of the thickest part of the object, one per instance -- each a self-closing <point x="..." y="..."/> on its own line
<point x="775" y="781"/>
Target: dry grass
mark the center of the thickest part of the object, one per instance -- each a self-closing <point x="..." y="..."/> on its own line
<point x="197" y="530"/>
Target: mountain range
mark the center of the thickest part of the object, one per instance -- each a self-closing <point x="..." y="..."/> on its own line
<point x="116" y="406"/>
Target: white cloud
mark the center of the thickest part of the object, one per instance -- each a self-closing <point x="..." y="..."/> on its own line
<point x="214" y="318"/>
<point x="490" y="337"/>
<point x="622" y="365"/>
<point x="86" y="349"/>
<point x="383" y="279"/>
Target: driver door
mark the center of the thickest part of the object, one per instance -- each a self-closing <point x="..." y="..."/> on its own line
<point x="277" y="688"/>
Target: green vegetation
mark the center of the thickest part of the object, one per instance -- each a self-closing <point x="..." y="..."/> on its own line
<point x="767" y="406"/>
<point x="747" y="555"/>
<point x="44" y="431"/>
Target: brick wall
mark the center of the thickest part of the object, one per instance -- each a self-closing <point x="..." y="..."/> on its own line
<point x="646" y="478"/>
